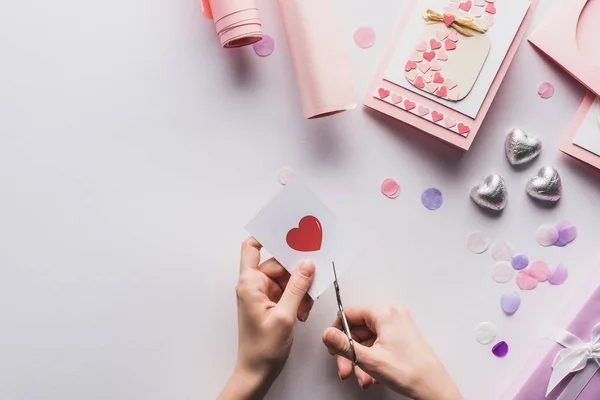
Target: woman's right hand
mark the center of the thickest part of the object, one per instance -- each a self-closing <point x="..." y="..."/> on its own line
<point x="391" y="350"/>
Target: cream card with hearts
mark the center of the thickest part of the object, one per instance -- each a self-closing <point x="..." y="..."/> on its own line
<point x="297" y="226"/>
<point x="468" y="64"/>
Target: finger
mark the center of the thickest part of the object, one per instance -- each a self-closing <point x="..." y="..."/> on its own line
<point x="337" y="343"/>
<point x="365" y="380"/>
<point x="305" y="307"/>
<point x="297" y="288"/>
<point x="250" y="254"/>
<point x="273" y="269"/>
<point x="344" y="367"/>
<point x="361" y="333"/>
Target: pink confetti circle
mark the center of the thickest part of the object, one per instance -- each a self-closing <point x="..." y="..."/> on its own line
<point x="264" y="47"/>
<point x="546" y="90"/>
<point x="526" y="281"/>
<point x="558" y="275"/>
<point x="390" y="188"/>
<point x="546" y="235"/>
<point x="539" y="270"/>
<point x="364" y="37"/>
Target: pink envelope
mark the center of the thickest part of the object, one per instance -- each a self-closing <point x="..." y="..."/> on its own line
<point x="568" y="147"/>
<point x="571" y="37"/>
<point x="455" y="138"/>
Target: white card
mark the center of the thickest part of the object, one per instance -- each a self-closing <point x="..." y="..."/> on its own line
<point x="296" y="226"/>
<point x="588" y="136"/>
<point x="507" y="21"/>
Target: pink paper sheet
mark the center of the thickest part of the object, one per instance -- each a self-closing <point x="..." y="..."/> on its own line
<point x="459" y="141"/>
<point x="571" y="149"/>
<point x="570" y="37"/>
<point x="321" y="66"/>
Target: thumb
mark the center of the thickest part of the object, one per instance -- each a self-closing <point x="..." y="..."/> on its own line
<point x="297" y="287"/>
<point x="338" y="344"/>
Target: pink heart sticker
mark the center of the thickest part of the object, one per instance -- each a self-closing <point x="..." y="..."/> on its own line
<point x="410" y="65"/>
<point x="431" y="87"/>
<point x="428" y="77"/>
<point x="477" y="12"/>
<point x="436" y="65"/>
<point x="429" y="55"/>
<point x="466" y="6"/>
<point x="451" y="84"/>
<point x="441" y="35"/>
<point x="438" y="78"/>
<point x="526" y="281"/>
<point x="453" y="35"/>
<point x="449" y="122"/>
<point x="424" y="67"/>
<point x="450" y="45"/>
<point x="488" y="20"/>
<point x="383" y="93"/>
<point x="448" y="20"/>
<point x="422" y="46"/>
<point x="419" y="82"/>
<point x="443" y="92"/>
<point x="463" y="129"/>
<point x="491" y="8"/>
<point x="396" y="98"/>
<point x="436" y="116"/>
<point x="411" y="75"/>
<point x="416" y="57"/>
<point x="422" y="111"/>
<point x="409" y="105"/>
<point x="442" y="55"/>
<point x="434" y="44"/>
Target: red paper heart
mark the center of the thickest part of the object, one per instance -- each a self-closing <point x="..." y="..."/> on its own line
<point x="466" y="6"/>
<point x="410" y="65"/>
<point x="438" y="78"/>
<point x="429" y="55"/>
<point x="450" y="45"/>
<point x="434" y="44"/>
<point x="436" y="116"/>
<point x="449" y="19"/>
<point x="383" y="93"/>
<point x="307" y="236"/>
<point x="409" y="105"/>
<point x="462" y="128"/>
<point x="419" y="82"/>
<point x="443" y="92"/>
<point x="491" y="8"/>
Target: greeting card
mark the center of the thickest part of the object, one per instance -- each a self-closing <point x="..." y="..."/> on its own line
<point x="297" y="226"/>
<point x="583" y="140"/>
<point x="447" y="62"/>
<point x="570" y="37"/>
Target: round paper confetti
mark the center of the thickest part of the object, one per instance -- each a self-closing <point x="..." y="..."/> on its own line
<point x="285" y="175"/>
<point x="546" y="235"/>
<point x="567" y="232"/>
<point x="546" y="90"/>
<point x="486" y="332"/>
<point x="432" y="199"/>
<point x="502" y="251"/>
<point x="390" y="188"/>
<point x="502" y="272"/>
<point x="526" y="281"/>
<point x="364" y="37"/>
<point x="539" y="270"/>
<point x="558" y="275"/>
<point x="477" y="242"/>
<point x="500" y="349"/>
<point x="520" y="261"/>
<point x="264" y="47"/>
<point x="510" y="302"/>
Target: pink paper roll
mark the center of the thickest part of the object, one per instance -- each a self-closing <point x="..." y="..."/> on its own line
<point x="321" y="66"/>
<point x="236" y="21"/>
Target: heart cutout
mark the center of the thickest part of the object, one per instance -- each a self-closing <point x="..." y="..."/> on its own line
<point x="546" y="185"/>
<point x="436" y="116"/>
<point x="449" y="122"/>
<point x="422" y="111"/>
<point x="419" y="82"/>
<point x="422" y="46"/>
<point x="436" y="65"/>
<point x="307" y="237"/>
<point x="424" y="67"/>
<point x="443" y="92"/>
<point x="438" y="78"/>
<point x="449" y="44"/>
<point x="429" y="55"/>
<point x="448" y="20"/>
<point x="383" y="93"/>
<point x="491" y="194"/>
<point x="490" y="8"/>
<point x="409" y="105"/>
<point x="434" y="44"/>
<point x="417" y="57"/>
<point x="466" y="6"/>
<point x="429" y="77"/>
<point x="441" y="35"/>
<point x="453" y="95"/>
<point x="463" y="129"/>
<point x="431" y="87"/>
<point x="451" y="84"/>
<point x="411" y="75"/>
<point x="453" y="35"/>
<point x="410" y="65"/>
<point x="442" y="55"/>
<point x="521" y="147"/>
<point x="396" y="98"/>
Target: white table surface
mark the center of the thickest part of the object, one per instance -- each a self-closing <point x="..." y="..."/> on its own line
<point x="133" y="150"/>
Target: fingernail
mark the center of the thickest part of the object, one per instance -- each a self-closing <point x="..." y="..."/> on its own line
<point x="360" y="383"/>
<point x="340" y="375"/>
<point x="307" y="269"/>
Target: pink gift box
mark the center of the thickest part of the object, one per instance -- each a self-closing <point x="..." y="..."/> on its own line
<point x="585" y="315"/>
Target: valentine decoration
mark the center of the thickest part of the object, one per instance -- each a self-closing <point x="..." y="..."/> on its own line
<point x="364" y="37"/>
<point x="322" y="69"/>
<point x="237" y="21"/>
<point x="520" y="261"/>
<point x="491" y="194"/>
<point x="432" y="199"/>
<point x="558" y="274"/>
<point x="390" y="188"/>
<point x="307" y="237"/>
<point x="265" y="47"/>
<point x="567" y="232"/>
<point x="546" y="90"/>
<point x="510" y="302"/>
<point x="546" y="235"/>
<point x="485" y="332"/>
<point x="463" y="25"/>
<point x="500" y="349"/>
<point x="546" y="185"/>
<point x="521" y="147"/>
<point x="477" y="242"/>
<point x="285" y="175"/>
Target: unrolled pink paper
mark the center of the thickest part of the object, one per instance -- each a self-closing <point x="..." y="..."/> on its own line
<point x="321" y="65"/>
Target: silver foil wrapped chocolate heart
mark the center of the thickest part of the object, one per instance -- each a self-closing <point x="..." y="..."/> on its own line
<point x="546" y="185"/>
<point x="491" y="194"/>
<point x="521" y="147"/>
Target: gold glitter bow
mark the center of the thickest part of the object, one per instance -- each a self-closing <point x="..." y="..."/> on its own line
<point x="463" y="25"/>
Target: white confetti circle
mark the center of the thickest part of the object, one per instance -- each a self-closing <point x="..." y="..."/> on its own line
<point x="486" y="332"/>
<point x="477" y="242"/>
<point x="285" y="175"/>
<point x="503" y="272"/>
<point x="502" y="251"/>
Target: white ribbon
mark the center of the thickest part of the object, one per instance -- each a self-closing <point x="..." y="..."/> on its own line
<point x="575" y="358"/>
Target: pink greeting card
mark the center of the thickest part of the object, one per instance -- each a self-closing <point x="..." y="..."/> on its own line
<point x="583" y="140"/>
<point x="570" y="37"/>
<point x="446" y="63"/>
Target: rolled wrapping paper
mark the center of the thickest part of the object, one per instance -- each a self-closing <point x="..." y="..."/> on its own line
<point x="236" y="21"/>
<point x="320" y="62"/>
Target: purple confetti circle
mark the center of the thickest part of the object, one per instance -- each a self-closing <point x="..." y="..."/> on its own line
<point x="432" y="199"/>
<point x="510" y="302"/>
<point x="520" y="261"/>
<point x="264" y="47"/>
<point x="500" y="349"/>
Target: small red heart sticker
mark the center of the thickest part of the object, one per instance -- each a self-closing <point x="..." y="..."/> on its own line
<point x="307" y="237"/>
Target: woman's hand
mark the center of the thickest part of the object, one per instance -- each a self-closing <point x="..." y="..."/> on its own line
<point x="269" y="301"/>
<point x="391" y="350"/>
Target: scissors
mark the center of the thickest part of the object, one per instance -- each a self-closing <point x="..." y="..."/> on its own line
<point x="342" y="316"/>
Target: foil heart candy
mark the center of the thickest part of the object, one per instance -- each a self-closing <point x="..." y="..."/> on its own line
<point x="546" y="185"/>
<point x="491" y="194"/>
<point x="521" y="147"/>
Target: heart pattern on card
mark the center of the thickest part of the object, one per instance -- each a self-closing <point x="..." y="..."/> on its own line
<point x="438" y="78"/>
<point x="449" y="44"/>
<point x="308" y="236"/>
<point x="410" y="65"/>
<point x="383" y="93"/>
<point x="436" y="65"/>
<point x="422" y="46"/>
<point x="429" y="55"/>
<point x="422" y="111"/>
<point x="453" y="35"/>
<point x="431" y="87"/>
<point x="443" y="92"/>
<point x="466" y="6"/>
<point x="419" y="82"/>
<point x="442" y="55"/>
<point x="449" y="122"/>
<point x="424" y="67"/>
<point x="409" y="105"/>
<point x="434" y="44"/>
<point x="396" y="98"/>
<point x="462" y="128"/>
<point x="437" y="116"/>
<point x="490" y="8"/>
<point x="441" y="35"/>
<point x="448" y="20"/>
